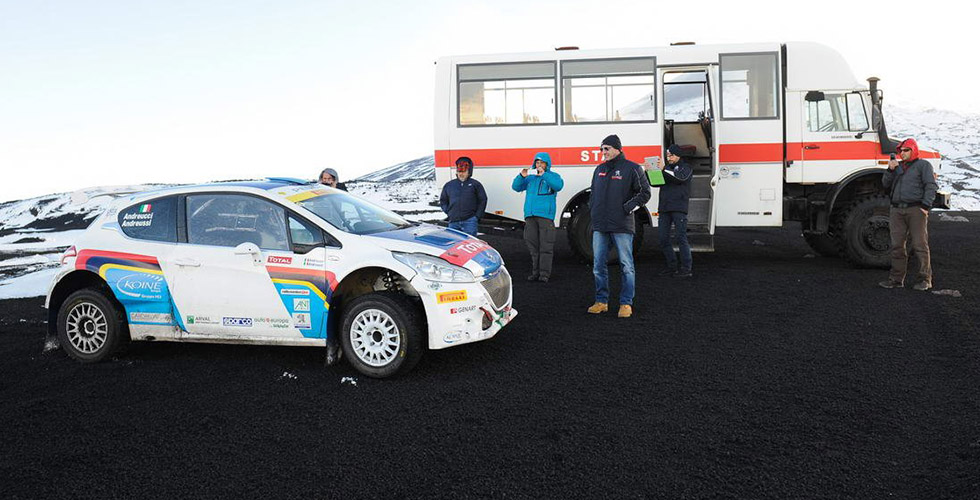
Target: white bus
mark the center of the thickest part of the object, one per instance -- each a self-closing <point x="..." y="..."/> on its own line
<point x="774" y="132"/>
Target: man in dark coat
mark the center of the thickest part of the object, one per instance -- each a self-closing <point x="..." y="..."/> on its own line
<point x="619" y="188"/>
<point x="463" y="199"/>
<point x="911" y="184"/>
<point x="672" y="207"/>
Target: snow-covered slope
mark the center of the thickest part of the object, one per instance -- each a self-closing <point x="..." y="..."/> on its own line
<point x="419" y="168"/>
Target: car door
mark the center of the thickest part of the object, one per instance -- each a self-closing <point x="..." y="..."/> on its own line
<point x="836" y="136"/>
<point x="221" y="287"/>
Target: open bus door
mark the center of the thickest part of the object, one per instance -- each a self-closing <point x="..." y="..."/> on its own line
<point x="688" y="118"/>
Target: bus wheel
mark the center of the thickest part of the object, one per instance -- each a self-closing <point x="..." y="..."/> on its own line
<point x="824" y="244"/>
<point x="864" y="232"/>
<point x="580" y="235"/>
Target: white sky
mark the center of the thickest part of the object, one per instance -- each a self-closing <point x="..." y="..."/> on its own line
<point x="133" y="91"/>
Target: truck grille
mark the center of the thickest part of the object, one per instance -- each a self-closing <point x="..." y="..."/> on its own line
<point x="498" y="286"/>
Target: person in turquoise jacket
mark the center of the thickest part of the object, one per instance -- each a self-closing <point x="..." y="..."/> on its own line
<point x="541" y="187"/>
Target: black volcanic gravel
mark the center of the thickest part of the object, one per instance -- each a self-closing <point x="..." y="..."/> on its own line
<point x="770" y="374"/>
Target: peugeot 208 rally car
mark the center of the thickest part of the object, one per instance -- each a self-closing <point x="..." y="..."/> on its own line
<point x="276" y="262"/>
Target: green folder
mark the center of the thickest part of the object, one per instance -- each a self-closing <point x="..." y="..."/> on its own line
<point x="656" y="177"/>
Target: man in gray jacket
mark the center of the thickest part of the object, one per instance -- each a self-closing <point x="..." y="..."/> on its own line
<point x="911" y="184"/>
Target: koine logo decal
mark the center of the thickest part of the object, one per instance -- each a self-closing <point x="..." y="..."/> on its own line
<point x="240" y="322"/>
<point x="141" y="286"/>
<point x="446" y="297"/>
<point x="275" y="259"/>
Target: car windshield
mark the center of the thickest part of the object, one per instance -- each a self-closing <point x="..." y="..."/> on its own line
<point x="348" y="213"/>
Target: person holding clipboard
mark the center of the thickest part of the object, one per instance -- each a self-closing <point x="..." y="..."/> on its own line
<point x="675" y="191"/>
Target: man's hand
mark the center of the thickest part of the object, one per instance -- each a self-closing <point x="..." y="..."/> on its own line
<point x="660" y="163"/>
<point x="892" y="164"/>
<point x="523" y="172"/>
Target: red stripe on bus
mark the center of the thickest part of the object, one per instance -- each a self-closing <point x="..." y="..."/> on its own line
<point x="511" y="157"/>
<point x="727" y="153"/>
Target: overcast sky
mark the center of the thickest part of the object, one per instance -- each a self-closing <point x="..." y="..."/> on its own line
<point x="130" y="91"/>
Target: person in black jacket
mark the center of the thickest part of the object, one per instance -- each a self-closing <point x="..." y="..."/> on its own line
<point x="672" y="207"/>
<point x="329" y="178"/>
<point x="619" y="188"/>
<point x="463" y="199"/>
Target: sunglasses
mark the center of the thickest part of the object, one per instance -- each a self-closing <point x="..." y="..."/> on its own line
<point x="905" y="150"/>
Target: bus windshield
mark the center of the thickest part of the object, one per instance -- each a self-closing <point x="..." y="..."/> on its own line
<point x="348" y="213"/>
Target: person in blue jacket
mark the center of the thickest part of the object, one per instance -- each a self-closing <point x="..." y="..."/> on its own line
<point x="674" y="197"/>
<point x="463" y="199"/>
<point x="541" y="187"/>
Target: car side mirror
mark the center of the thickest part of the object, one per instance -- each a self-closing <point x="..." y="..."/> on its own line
<point x="249" y="248"/>
<point x="815" y="96"/>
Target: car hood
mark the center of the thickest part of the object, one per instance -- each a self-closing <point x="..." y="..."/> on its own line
<point x="452" y="246"/>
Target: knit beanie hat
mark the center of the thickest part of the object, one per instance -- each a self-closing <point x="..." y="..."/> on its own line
<point x="613" y="140"/>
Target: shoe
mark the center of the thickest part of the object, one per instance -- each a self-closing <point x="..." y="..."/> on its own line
<point x="890" y="284"/>
<point x="625" y="311"/>
<point x="667" y="271"/>
<point x="598" y="307"/>
<point x="543" y="279"/>
<point x="684" y="274"/>
<point x="921" y="286"/>
<point x="532" y="277"/>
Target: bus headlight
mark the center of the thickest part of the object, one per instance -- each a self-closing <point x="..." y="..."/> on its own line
<point x="434" y="268"/>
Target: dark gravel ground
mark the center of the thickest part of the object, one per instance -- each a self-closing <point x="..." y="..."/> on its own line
<point x="769" y="375"/>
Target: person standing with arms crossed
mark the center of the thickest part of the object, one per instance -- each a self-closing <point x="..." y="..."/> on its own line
<point x="619" y="188"/>
<point x="541" y="190"/>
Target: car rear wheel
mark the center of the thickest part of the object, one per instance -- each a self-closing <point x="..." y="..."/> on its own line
<point x="383" y="334"/>
<point x="90" y="326"/>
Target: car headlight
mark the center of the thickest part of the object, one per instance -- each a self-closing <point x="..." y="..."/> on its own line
<point x="434" y="268"/>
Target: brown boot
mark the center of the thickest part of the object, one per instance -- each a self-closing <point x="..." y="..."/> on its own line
<point x="625" y="311"/>
<point x="598" y="307"/>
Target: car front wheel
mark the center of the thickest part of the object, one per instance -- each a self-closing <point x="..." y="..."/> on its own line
<point x="383" y="334"/>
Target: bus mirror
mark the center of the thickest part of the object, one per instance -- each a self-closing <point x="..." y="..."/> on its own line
<point x="814" y="96"/>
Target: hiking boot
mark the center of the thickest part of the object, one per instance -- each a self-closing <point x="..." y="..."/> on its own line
<point x="543" y="279"/>
<point x="667" y="271"/>
<point x="921" y="286"/>
<point x="890" y="284"/>
<point x="625" y="311"/>
<point x="684" y="273"/>
<point x="532" y="277"/>
<point x="598" y="307"/>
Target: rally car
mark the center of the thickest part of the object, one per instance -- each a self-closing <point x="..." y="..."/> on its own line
<point x="276" y="262"/>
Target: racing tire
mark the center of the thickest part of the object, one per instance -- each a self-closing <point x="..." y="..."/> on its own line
<point x="864" y="232"/>
<point x="383" y="334"/>
<point x="580" y="235"/>
<point x="824" y="244"/>
<point x="90" y="326"/>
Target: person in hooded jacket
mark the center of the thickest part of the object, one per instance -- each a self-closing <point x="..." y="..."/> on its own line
<point x="463" y="199"/>
<point x="911" y="185"/>
<point x="674" y="197"/>
<point x="541" y="190"/>
<point x="619" y="188"/>
<point x="328" y="177"/>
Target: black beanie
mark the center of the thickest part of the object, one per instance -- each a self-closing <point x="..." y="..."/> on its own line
<point x="613" y="140"/>
<point x="675" y="150"/>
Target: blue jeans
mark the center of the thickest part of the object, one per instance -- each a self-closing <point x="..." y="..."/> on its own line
<point x="467" y="226"/>
<point x="601" y="242"/>
<point x="679" y="220"/>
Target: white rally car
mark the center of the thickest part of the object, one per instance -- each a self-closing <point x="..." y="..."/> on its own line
<point x="276" y="262"/>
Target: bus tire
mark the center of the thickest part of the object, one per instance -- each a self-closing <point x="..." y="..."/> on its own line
<point x="864" y="232"/>
<point x="580" y="235"/>
<point x="824" y="244"/>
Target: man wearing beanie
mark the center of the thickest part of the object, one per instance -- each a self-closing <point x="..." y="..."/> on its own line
<point x="463" y="199"/>
<point x="672" y="207"/>
<point x="619" y="188"/>
<point x="911" y="185"/>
